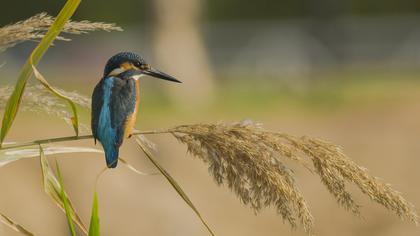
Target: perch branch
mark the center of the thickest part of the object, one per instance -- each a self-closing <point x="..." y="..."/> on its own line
<point x="71" y="138"/>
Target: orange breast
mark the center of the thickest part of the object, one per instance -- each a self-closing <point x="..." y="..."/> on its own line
<point x="131" y="120"/>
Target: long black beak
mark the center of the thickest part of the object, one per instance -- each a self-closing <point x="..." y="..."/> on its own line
<point x="160" y="75"/>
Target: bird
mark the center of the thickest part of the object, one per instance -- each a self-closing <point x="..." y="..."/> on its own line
<point x="115" y="101"/>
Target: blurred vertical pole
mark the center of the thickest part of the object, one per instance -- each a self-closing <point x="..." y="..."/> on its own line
<point x="179" y="49"/>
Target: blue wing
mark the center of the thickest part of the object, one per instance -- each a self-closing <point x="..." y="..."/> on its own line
<point x="112" y="103"/>
<point x="97" y="102"/>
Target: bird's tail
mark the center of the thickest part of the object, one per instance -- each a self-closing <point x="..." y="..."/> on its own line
<point x="111" y="156"/>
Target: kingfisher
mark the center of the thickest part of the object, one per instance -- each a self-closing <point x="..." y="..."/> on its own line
<point x="115" y="101"/>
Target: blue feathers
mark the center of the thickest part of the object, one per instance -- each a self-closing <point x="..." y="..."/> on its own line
<point x="107" y="134"/>
<point x="111" y="156"/>
<point x="113" y="101"/>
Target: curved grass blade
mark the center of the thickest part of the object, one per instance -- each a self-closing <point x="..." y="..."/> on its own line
<point x="65" y="201"/>
<point x="132" y="168"/>
<point x="15" y="226"/>
<point x="174" y="184"/>
<point x="8" y="156"/>
<point x="94" y="228"/>
<point x="13" y="103"/>
<point x="53" y="188"/>
<point x="74" y="119"/>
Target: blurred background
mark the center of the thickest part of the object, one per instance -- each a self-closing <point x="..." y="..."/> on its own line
<point x="346" y="71"/>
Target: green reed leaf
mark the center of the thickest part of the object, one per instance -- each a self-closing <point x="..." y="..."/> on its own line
<point x="15" y="226"/>
<point x="74" y="119"/>
<point x="13" y="103"/>
<point x="174" y="184"/>
<point x="65" y="201"/>
<point x="94" y="228"/>
<point x="53" y="188"/>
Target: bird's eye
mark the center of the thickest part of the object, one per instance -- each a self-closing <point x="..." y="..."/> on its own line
<point x="144" y="66"/>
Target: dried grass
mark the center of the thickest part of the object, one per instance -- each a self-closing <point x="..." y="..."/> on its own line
<point x="248" y="160"/>
<point x="38" y="99"/>
<point x="35" y="27"/>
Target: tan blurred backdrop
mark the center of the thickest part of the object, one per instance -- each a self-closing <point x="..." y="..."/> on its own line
<point x="345" y="71"/>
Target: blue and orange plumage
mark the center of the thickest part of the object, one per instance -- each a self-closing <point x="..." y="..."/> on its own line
<point x="115" y="101"/>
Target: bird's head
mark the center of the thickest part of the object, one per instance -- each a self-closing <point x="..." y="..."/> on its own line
<point x="133" y="66"/>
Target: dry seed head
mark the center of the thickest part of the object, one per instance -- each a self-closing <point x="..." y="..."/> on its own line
<point x="248" y="160"/>
<point x="35" y="27"/>
<point x="39" y="100"/>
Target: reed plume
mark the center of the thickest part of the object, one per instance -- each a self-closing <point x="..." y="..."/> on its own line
<point x="249" y="160"/>
<point x="38" y="99"/>
<point x="35" y="27"/>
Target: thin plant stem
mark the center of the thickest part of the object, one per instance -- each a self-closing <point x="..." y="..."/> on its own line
<point x="71" y="138"/>
<point x="174" y="184"/>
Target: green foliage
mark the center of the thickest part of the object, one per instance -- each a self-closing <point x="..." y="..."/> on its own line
<point x="54" y="188"/>
<point x="65" y="202"/>
<point x="74" y="119"/>
<point x="94" y="228"/>
<point x="13" y="103"/>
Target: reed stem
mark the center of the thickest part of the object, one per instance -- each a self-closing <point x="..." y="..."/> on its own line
<point x="71" y="138"/>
